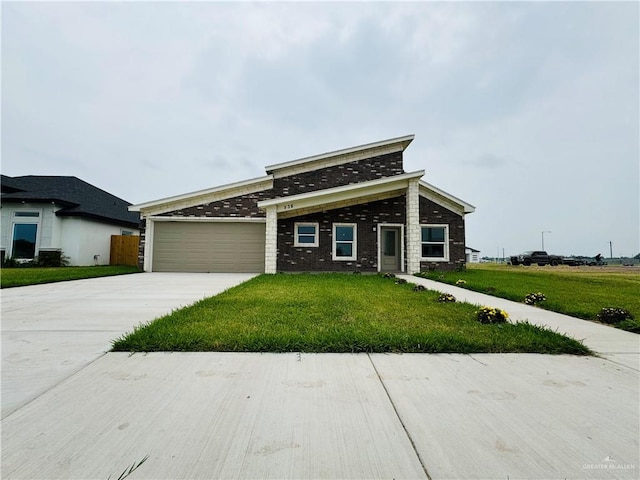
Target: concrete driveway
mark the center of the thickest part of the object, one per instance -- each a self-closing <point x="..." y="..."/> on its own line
<point x="51" y="331"/>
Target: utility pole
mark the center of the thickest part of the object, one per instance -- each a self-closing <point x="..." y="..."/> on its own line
<point x="610" y="249"/>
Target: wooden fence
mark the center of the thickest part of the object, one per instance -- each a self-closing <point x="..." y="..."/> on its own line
<point x="124" y="250"/>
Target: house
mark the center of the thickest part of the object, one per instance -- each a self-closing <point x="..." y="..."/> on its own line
<point x="349" y="210"/>
<point x="473" y="255"/>
<point x="48" y="215"/>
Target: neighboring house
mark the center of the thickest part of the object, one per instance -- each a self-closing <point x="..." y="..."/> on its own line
<point x="473" y="255"/>
<point x="350" y="210"/>
<point x="43" y="214"/>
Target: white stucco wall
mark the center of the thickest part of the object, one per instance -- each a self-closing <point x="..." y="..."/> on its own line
<point x="82" y="239"/>
<point x="78" y="238"/>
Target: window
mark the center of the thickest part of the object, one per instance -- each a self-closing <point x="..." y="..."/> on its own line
<point x="306" y="235"/>
<point x="24" y="240"/>
<point x="344" y="241"/>
<point x="435" y="242"/>
<point x="126" y="233"/>
<point x="24" y="237"/>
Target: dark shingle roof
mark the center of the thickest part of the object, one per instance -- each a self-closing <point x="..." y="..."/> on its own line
<point x="77" y="197"/>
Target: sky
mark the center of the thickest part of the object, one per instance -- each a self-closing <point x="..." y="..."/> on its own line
<point x="529" y="111"/>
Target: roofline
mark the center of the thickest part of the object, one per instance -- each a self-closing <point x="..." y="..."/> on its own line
<point x="402" y="142"/>
<point x="332" y="192"/>
<point x="198" y="193"/>
<point x="467" y="207"/>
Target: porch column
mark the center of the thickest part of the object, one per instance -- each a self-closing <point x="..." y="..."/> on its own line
<point x="413" y="227"/>
<point x="271" y="241"/>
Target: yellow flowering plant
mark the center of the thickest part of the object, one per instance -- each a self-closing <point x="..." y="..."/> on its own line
<point x="491" y="315"/>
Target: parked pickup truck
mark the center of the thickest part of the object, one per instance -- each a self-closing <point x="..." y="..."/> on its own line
<point x="539" y="257"/>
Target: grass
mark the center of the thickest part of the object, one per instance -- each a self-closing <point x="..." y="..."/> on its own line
<point x="18" y="277"/>
<point x="336" y="313"/>
<point x="577" y="291"/>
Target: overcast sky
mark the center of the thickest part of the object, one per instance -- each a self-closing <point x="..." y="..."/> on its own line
<point x="529" y="111"/>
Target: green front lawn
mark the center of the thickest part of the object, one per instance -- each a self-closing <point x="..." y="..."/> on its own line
<point x="19" y="277"/>
<point x="335" y="313"/>
<point x="577" y="291"/>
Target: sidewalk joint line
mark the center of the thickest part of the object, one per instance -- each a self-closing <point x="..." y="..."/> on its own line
<point x="413" y="445"/>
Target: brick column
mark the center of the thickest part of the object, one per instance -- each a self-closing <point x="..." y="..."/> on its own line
<point x="413" y="227"/>
<point x="271" y="242"/>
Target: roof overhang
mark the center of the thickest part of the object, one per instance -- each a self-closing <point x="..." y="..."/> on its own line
<point x="200" y="197"/>
<point x="445" y="199"/>
<point x="338" y="197"/>
<point x="339" y="157"/>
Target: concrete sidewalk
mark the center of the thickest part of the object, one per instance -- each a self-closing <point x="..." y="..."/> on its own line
<point x="251" y="415"/>
<point x="290" y="416"/>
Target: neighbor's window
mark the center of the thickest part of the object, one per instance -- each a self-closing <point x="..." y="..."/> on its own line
<point x="26" y="214"/>
<point x="344" y="241"/>
<point x="435" y="239"/>
<point x="306" y="235"/>
<point x="24" y="240"/>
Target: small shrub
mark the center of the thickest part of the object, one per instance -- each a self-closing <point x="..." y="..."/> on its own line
<point x="460" y="283"/>
<point x="446" y="298"/>
<point x="534" y="298"/>
<point x="491" y="315"/>
<point x="419" y="288"/>
<point x="614" y="315"/>
<point x="400" y="281"/>
<point x="388" y="275"/>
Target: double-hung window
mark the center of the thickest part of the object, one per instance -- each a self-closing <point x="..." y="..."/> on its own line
<point x="306" y="235"/>
<point x="435" y="242"/>
<point x="344" y="241"/>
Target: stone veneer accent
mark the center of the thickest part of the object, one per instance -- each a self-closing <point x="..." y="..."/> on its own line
<point x="338" y="175"/>
<point x="271" y="241"/>
<point x="366" y="216"/>
<point x="432" y="213"/>
<point x="142" y="242"/>
<point x="414" y="246"/>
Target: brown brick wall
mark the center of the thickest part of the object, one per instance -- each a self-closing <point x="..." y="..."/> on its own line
<point x="303" y="259"/>
<point x="353" y="172"/>
<point x="431" y="212"/>
<point x="241" y="206"/>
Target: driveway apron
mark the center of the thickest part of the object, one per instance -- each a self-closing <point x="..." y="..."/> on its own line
<point x="51" y="331"/>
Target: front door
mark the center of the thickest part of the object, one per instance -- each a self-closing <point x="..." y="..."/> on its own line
<point x="390" y="251"/>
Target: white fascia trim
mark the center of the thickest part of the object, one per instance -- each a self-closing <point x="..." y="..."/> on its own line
<point x="337" y="194"/>
<point x="209" y="219"/>
<point x="392" y="144"/>
<point x="202" y="196"/>
<point x="462" y="205"/>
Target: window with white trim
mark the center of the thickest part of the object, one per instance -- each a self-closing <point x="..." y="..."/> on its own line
<point x="24" y="234"/>
<point x="435" y="242"/>
<point x="345" y="241"/>
<point x="306" y="235"/>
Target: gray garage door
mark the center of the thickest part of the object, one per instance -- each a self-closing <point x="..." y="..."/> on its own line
<point x="208" y="247"/>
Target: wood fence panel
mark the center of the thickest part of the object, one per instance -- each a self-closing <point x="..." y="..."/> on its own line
<point x="124" y="250"/>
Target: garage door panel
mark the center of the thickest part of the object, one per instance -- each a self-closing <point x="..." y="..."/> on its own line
<point x="208" y="247"/>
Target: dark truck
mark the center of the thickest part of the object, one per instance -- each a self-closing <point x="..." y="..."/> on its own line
<point x="538" y="256"/>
